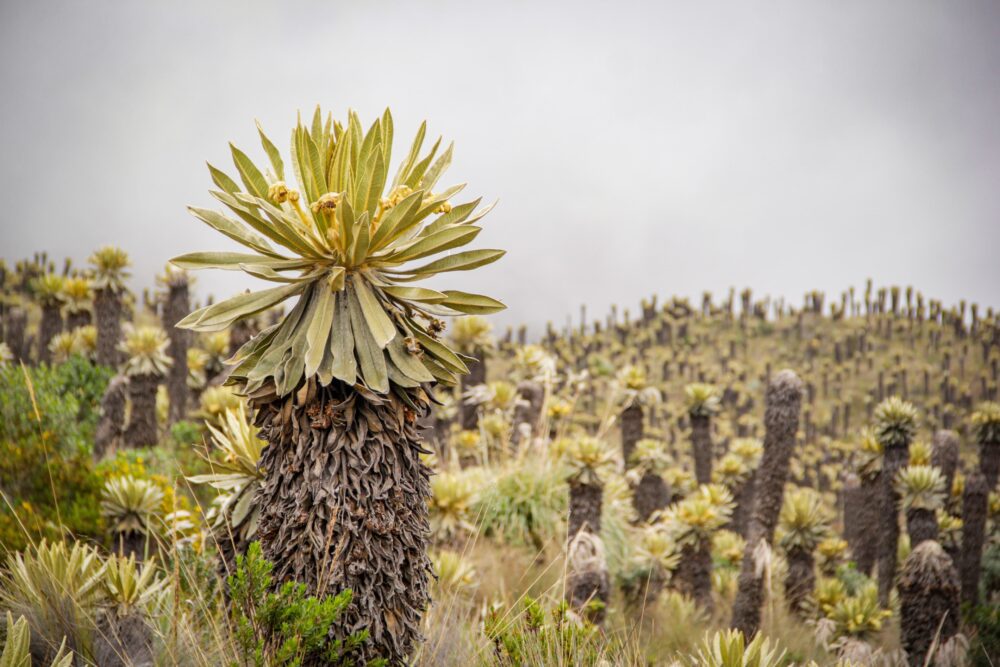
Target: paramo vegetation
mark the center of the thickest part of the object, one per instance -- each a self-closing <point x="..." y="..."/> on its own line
<point x="348" y="467"/>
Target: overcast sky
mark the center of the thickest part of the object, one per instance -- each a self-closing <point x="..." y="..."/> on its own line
<point x="635" y="147"/>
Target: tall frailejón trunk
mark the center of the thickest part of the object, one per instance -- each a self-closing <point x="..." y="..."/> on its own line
<point x="345" y="505"/>
<point x="975" y="501"/>
<point x="651" y="495"/>
<point x="800" y="580"/>
<point x="744" y="505"/>
<point x="781" y="422"/>
<point x="175" y="309"/>
<point x="989" y="463"/>
<point x="921" y="525"/>
<point x="15" y="333"/>
<point x="77" y="319"/>
<point x="893" y="460"/>
<point x="111" y="425"/>
<point x="141" y="429"/>
<point x="694" y="573"/>
<point x="928" y="601"/>
<point x="631" y="426"/>
<point x="868" y="519"/>
<point x="469" y="414"/>
<point x="584" y="508"/>
<point x="588" y="585"/>
<point x="528" y="412"/>
<point x="944" y="456"/>
<point x="50" y="326"/>
<point x="108" y="314"/>
<point x="701" y="445"/>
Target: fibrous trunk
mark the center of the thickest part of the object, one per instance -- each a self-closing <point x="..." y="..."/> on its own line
<point x="51" y="324"/>
<point x="528" y="411"/>
<point x="701" y="444"/>
<point x="651" y="495"/>
<point x="989" y="462"/>
<point x="975" y="501"/>
<point x="781" y="422"/>
<point x="800" y="580"/>
<point x="174" y="310"/>
<point x="108" y="313"/>
<point x="631" y="430"/>
<point x="131" y="543"/>
<point x="744" y="505"/>
<point x="944" y="456"/>
<point x="15" y="326"/>
<point x="141" y="430"/>
<point x="928" y="601"/>
<point x="111" y="424"/>
<point x="893" y="459"/>
<point x="866" y="551"/>
<point x="77" y="319"/>
<point x="921" y="524"/>
<point x="584" y="508"/>
<point x="344" y="505"/>
<point x="469" y="414"/>
<point x="123" y="641"/>
<point x="694" y="573"/>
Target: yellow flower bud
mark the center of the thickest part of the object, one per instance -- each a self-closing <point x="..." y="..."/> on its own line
<point x="326" y="203"/>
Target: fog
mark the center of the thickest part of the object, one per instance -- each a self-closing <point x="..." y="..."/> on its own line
<point x="635" y="148"/>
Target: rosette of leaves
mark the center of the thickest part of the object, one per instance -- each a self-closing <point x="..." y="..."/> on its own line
<point x="471" y="334"/>
<point x="64" y="345"/>
<point x="695" y="518"/>
<point x="651" y="456"/>
<point x="895" y="422"/>
<point x="587" y="458"/>
<point x="831" y="551"/>
<point x="803" y="521"/>
<point x="57" y="588"/>
<point x="920" y="487"/>
<point x="702" y="400"/>
<point x="749" y="450"/>
<point x="129" y="586"/>
<point x="731" y="470"/>
<point x="986" y="423"/>
<point x="920" y="454"/>
<point x="729" y="648"/>
<point x="197" y="362"/>
<point x="236" y="475"/>
<point x="131" y="504"/>
<point x="452" y="497"/>
<point x="76" y="291"/>
<point x="146" y="350"/>
<point x="656" y="550"/>
<point x="828" y="593"/>
<point x="869" y="454"/>
<point x="349" y="243"/>
<point x="48" y="290"/>
<point x="455" y="574"/>
<point x="17" y="646"/>
<point x="859" y="616"/>
<point x="109" y="264"/>
<point x="533" y="362"/>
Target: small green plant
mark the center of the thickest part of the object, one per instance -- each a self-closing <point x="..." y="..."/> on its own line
<point x="16" y="651"/>
<point x="531" y="636"/>
<point x="285" y="628"/>
<point x="728" y="648"/>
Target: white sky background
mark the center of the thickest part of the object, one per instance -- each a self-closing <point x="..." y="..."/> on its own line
<point x="635" y="147"/>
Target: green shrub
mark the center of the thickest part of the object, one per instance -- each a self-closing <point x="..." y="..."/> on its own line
<point x="283" y="629"/>
<point x="60" y="404"/>
<point x="530" y="636"/>
<point x="46" y="430"/>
